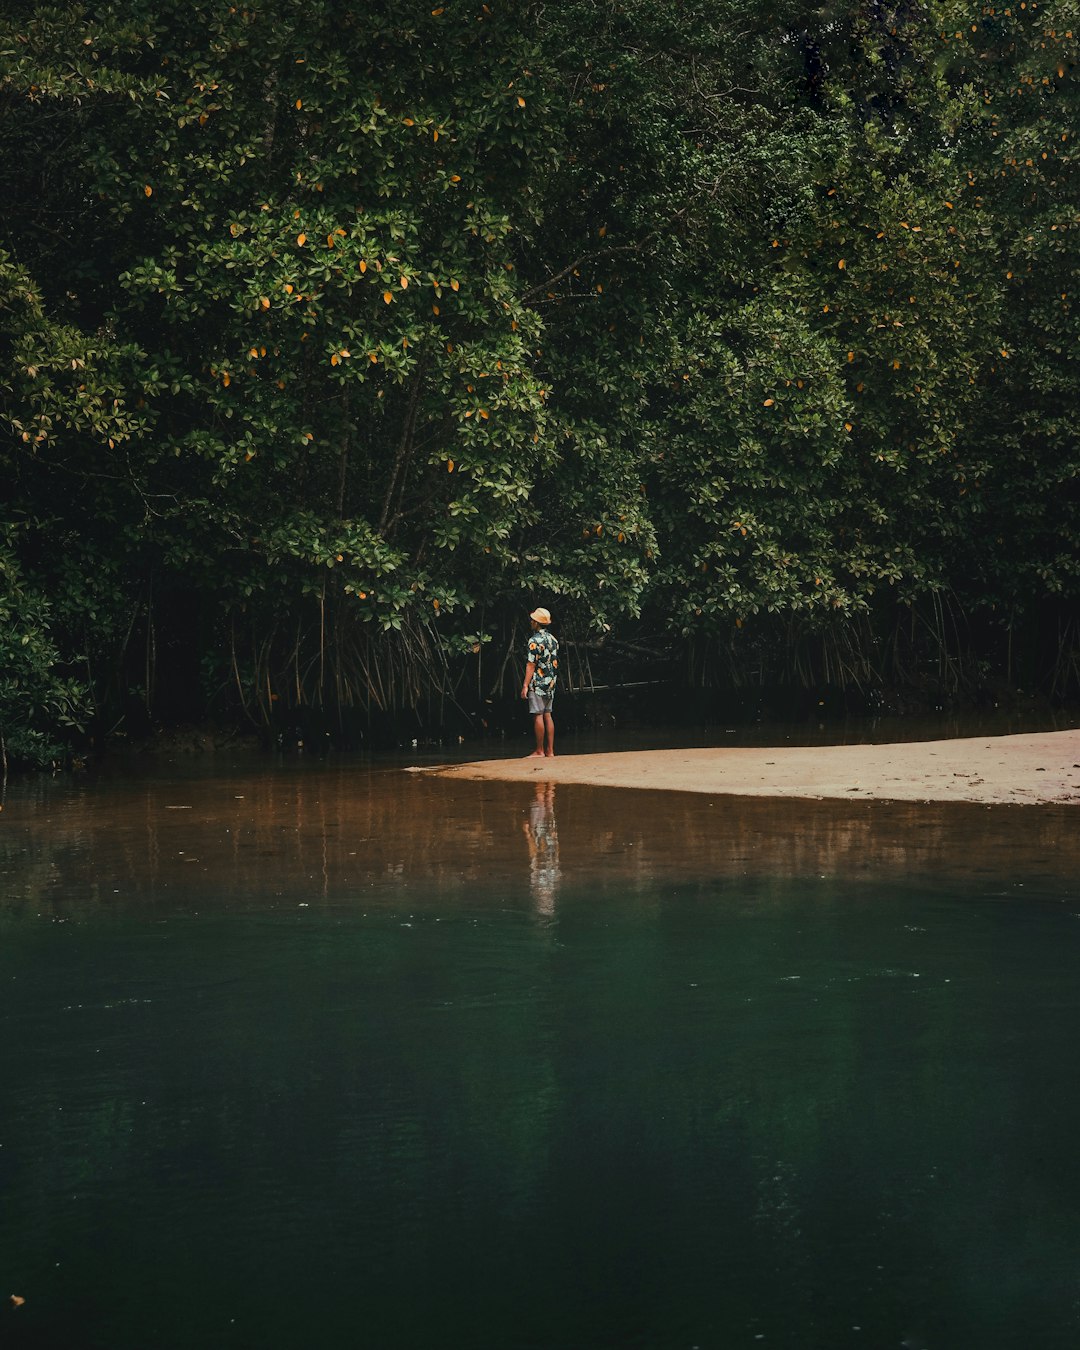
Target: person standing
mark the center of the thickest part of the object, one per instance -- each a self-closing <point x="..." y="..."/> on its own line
<point x="541" y="672"/>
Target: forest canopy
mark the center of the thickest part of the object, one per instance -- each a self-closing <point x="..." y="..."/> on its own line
<point x="335" y="337"/>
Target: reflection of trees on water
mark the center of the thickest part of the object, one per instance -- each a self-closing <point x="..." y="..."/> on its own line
<point x="542" y="834"/>
<point x="793" y="1080"/>
<point x="345" y="834"/>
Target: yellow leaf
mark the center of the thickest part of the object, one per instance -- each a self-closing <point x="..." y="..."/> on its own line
<point x="301" y="239"/>
<point x="434" y="309"/>
<point x="449" y="466"/>
<point x="521" y="101"/>
<point x="373" y="358"/>
<point x="484" y="414"/>
<point x="622" y="537"/>
<point x="299" y="103"/>
<point x="769" y="402"/>
<point x="434" y="135"/>
<point x="264" y="302"/>
<point x="329" y="241"/>
<point x="948" y="206"/>
<point x="387" y="298"/>
<point x="409" y="122"/>
<point x="226" y="379"/>
<point x="602" y="231"/>
<point x="841" y="264"/>
<point x="455" y="178"/>
<point x="404" y="283"/>
<point x="436" y="12"/>
<point x="148" y="190"/>
<point x="847" y="426"/>
<point x="234" y="230"/>
<point x="289" y="288"/>
<point x="335" y="359"/>
<point x="363" y="265"/>
<point x="851" y="356"/>
<point x="455" y="285"/>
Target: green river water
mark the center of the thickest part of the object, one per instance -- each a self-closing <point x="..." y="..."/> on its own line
<point x="315" y="1057"/>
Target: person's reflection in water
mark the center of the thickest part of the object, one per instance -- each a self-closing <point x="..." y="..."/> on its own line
<point x="543" y="838"/>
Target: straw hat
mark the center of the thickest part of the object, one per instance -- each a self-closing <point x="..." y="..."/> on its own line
<point x="540" y="616"/>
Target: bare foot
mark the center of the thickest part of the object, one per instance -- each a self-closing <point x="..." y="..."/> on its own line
<point x="549" y="754"/>
<point x="536" y="754"/>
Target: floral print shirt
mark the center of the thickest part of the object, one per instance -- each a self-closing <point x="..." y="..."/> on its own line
<point x="544" y="655"/>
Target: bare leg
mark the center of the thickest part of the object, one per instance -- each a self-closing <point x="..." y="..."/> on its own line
<point x="538" y="732"/>
<point x="549" y="735"/>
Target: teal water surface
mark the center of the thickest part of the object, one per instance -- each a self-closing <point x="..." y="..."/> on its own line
<point x="363" y="1060"/>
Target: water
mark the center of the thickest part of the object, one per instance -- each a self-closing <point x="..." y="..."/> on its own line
<point x="321" y="1057"/>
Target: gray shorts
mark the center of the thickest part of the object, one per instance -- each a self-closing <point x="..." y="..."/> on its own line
<point x="538" y="703"/>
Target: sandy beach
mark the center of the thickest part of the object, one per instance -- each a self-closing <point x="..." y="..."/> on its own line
<point x="1030" y="769"/>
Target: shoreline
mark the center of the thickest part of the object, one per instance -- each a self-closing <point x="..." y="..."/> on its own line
<point x="1036" y="769"/>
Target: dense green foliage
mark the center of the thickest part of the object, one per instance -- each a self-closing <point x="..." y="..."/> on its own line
<point x="333" y="337"/>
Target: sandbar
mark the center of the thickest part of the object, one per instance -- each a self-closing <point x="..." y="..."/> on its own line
<point x="1033" y="769"/>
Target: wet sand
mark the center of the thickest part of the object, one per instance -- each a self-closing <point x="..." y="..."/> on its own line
<point x="1035" y="769"/>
